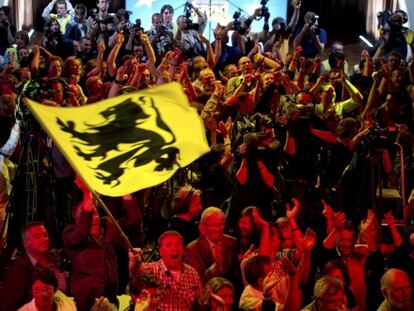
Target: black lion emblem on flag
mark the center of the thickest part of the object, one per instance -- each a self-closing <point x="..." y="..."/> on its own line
<point x="122" y="127"/>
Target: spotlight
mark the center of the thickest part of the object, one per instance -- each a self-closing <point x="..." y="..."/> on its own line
<point x="366" y="41"/>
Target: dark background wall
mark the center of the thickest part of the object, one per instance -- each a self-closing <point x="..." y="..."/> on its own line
<point x="344" y="20"/>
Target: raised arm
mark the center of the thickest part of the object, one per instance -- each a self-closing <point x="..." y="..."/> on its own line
<point x="148" y="48"/>
<point x="99" y="60"/>
<point x="295" y="16"/>
<point x="47" y="10"/>
<point x="112" y="70"/>
<point x="242" y="172"/>
<point x="339" y="222"/>
<point x="352" y="90"/>
<point x="373" y="98"/>
<point x="395" y="234"/>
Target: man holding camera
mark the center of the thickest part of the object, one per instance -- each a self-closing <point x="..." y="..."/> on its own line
<point x="188" y="34"/>
<point x="98" y="16"/>
<point x="311" y="38"/>
<point x="160" y="37"/>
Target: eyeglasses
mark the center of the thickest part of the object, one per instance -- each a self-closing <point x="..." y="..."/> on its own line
<point x="44" y="289"/>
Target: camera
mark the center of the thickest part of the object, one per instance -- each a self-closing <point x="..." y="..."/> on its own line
<point x="164" y="39"/>
<point x="392" y="23"/>
<point x="93" y="13"/>
<point x="265" y="13"/>
<point x="189" y="21"/>
<point x="289" y="253"/>
<point x="135" y="27"/>
<point x="379" y="137"/>
<point x="383" y="18"/>
<point x="314" y="25"/>
<point x="237" y="25"/>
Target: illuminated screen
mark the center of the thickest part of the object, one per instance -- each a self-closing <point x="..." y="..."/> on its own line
<point x="221" y="11"/>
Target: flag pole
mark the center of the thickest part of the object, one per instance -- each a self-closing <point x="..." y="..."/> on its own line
<point x="112" y="219"/>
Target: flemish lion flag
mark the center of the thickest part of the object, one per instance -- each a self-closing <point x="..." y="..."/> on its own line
<point x="128" y="142"/>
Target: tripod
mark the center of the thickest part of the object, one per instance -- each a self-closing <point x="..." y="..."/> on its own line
<point x="32" y="188"/>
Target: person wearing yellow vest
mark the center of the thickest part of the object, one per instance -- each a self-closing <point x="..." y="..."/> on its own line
<point x="64" y="12"/>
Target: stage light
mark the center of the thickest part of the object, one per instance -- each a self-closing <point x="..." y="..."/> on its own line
<point x="366" y="41"/>
<point x="31" y="32"/>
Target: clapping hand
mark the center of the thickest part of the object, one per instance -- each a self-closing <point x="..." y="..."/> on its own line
<point x="292" y="212"/>
<point x="309" y="239"/>
<point x="142" y="303"/>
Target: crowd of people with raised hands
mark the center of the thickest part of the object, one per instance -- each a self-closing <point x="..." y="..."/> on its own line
<point x="286" y="211"/>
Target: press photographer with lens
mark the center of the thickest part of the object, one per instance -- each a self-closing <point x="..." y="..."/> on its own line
<point x="99" y="21"/>
<point x="123" y="25"/>
<point x="160" y="37"/>
<point x="242" y="37"/>
<point x="189" y="34"/>
<point x="394" y="37"/>
<point x="277" y="40"/>
<point x="311" y="38"/>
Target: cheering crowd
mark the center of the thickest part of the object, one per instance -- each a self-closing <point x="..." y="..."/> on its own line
<point x="288" y="210"/>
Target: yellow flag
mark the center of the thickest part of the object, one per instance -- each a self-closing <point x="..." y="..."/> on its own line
<point x="128" y="142"/>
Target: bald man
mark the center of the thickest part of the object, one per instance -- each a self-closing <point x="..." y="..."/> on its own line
<point x="396" y="289"/>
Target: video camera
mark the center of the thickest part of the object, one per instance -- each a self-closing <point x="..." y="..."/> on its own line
<point x="392" y="22"/>
<point x="379" y="137"/>
<point x="189" y="20"/>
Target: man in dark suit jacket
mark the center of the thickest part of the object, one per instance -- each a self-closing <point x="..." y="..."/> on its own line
<point x="90" y="243"/>
<point x="214" y="253"/>
<point x="17" y="282"/>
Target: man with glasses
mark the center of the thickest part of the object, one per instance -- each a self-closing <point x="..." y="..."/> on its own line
<point x="46" y="295"/>
<point x="214" y="253"/>
<point x="396" y="289"/>
<point x="17" y="287"/>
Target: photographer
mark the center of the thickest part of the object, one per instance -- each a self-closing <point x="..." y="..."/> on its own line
<point x="394" y="36"/>
<point x="188" y="34"/>
<point x="160" y="37"/>
<point x="124" y="26"/>
<point x="311" y="38"/>
<point x="277" y="41"/>
<point x="98" y="16"/>
<point x="7" y="31"/>
<point x="241" y="37"/>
